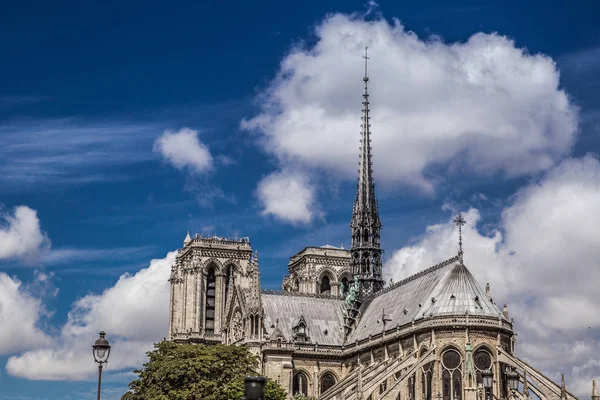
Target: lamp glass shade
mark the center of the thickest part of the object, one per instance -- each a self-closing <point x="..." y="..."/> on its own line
<point x="487" y="376"/>
<point x="513" y="380"/>
<point x="100" y="353"/>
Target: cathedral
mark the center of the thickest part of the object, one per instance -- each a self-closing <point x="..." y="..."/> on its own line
<point x="336" y="331"/>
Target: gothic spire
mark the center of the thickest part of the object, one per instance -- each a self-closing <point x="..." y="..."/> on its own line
<point x="365" y="205"/>
<point x="365" y="224"/>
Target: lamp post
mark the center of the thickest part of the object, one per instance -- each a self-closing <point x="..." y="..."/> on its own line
<point x="101" y="351"/>
<point x="254" y="388"/>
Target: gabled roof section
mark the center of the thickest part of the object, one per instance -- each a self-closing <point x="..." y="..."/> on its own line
<point x="447" y="288"/>
<point x="324" y="315"/>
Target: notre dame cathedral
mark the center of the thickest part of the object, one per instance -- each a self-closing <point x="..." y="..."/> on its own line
<point x="335" y="331"/>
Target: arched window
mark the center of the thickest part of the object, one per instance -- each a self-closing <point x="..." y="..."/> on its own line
<point x="365" y="262"/>
<point x="300" y="384"/>
<point x="345" y="286"/>
<point x="327" y="382"/>
<point x="482" y="360"/>
<point x="411" y="387"/>
<point x="209" y="327"/>
<point x="296" y="285"/>
<point x="451" y="375"/>
<point x="366" y="235"/>
<point x="426" y="380"/>
<point x="325" y="285"/>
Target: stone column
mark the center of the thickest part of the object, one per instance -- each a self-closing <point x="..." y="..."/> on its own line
<point x="185" y="297"/>
<point x="218" y="302"/>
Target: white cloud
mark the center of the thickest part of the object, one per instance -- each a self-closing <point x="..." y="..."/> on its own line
<point x="134" y="314"/>
<point x="20" y="314"/>
<point x="287" y="196"/>
<point x="68" y="150"/>
<point x="542" y="262"/>
<point x="483" y="105"/>
<point x="184" y="149"/>
<point x="21" y="236"/>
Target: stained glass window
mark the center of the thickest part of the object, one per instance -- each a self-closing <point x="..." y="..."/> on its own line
<point x="327" y="382"/>
<point x="451" y="375"/>
<point x="300" y="384"/>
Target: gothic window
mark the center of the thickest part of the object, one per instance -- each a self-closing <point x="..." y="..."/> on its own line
<point x="256" y="325"/>
<point x="411" y="387"/>
<point x="364" y="263"/>
<point x="426" y="381"/>
<point x="451" y="375"/>
<point x="482" y="360"/>
<point x="300" y="384"/>
<point x="209" y="327"/>
<point x="366" y="235"/>
<point x="325" y="285"/>
<point x="327" y="382"/>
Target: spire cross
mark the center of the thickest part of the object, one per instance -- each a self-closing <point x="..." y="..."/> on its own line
<point x="366" y="58"/>
<point x="460" y="221"/>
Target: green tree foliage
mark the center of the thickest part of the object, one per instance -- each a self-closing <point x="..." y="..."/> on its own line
<point x="194" y="372"/>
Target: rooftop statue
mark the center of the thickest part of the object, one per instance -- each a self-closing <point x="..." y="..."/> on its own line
<point x="352" y="293"/>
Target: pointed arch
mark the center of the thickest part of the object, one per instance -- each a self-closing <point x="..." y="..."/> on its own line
<point x="452" y="369"/>
<point x="215" y="263"/>
<point x="300" y="383"/>
<point x="326" y="381"/>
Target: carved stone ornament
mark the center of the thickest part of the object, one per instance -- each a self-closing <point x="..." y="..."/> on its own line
<point x="236" y="331"/>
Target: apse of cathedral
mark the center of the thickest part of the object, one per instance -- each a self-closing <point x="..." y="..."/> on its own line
<point x="336" y="331"/>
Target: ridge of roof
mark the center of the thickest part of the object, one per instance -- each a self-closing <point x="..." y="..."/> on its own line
<point x="417" y="275"/>
<point x="299" y="294"/>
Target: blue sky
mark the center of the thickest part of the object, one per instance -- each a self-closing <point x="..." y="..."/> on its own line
<point x="123" y="126"/>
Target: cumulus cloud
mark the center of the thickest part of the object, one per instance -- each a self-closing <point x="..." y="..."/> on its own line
<point x="134" y="314"/>
<point x="21" y="310"/>
<point x="484" y="105"/>
<point x="287" y="196"/>
<point x="542" y="261"/>
<point x="21" y="236"/>
<point x="183" y="149"/>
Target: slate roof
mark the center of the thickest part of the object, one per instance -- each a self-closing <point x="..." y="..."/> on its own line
<point x="452" y="287"/>
<point x="321" y="313"/>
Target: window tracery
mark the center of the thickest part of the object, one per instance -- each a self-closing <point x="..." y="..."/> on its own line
<point x="482" y="360"/>
<point x="300" y="384"/>
<point x="451" y="375"/>
<point x="327" y="382"/>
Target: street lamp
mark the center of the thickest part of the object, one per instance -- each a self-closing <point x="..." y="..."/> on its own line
<point x="254" y="388"/>
<point x="101" y="351"/>
<point x="513" y="381"/>
<point x="488" y="378"/>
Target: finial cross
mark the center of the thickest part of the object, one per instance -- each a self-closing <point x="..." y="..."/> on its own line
<point x="460" y="221"/>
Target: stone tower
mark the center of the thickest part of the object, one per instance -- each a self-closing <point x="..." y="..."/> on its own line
<point x="365" y="225"/>
<point x="203" y="278"/>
